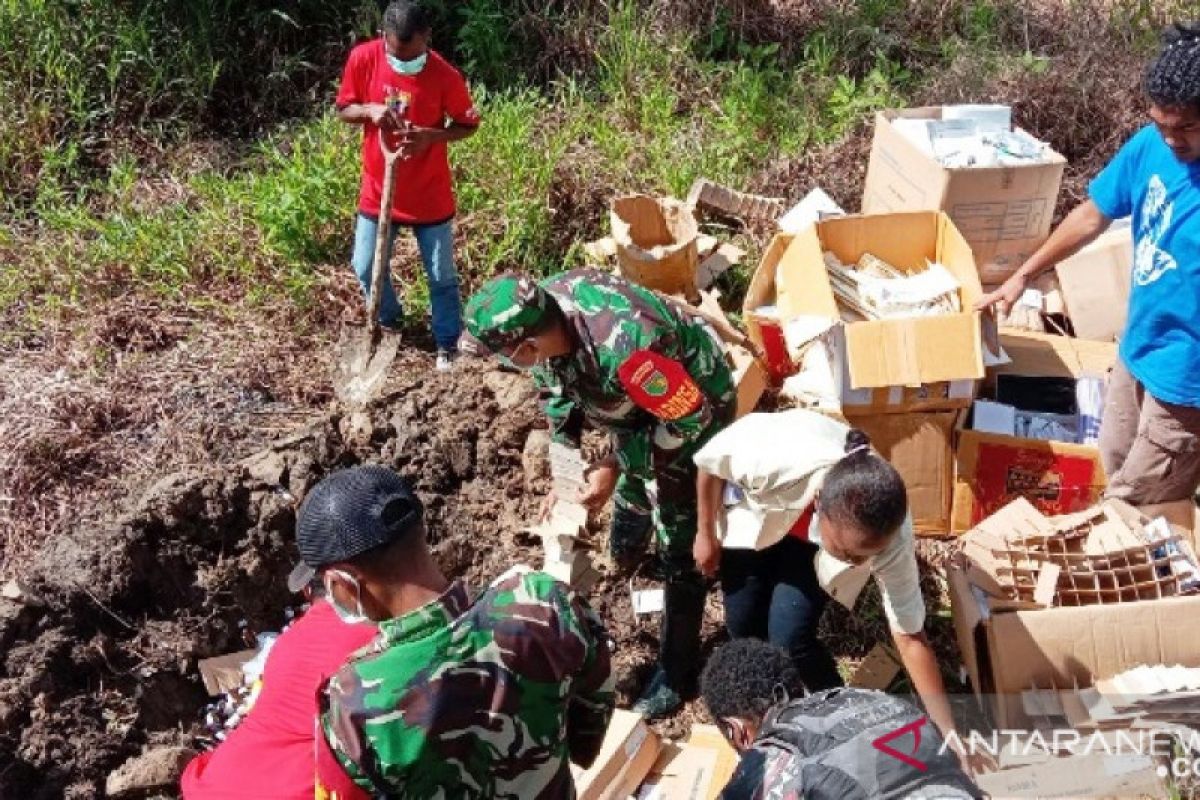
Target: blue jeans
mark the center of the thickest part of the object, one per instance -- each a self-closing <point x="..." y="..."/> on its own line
<point x="773" y="594"/>
<point x="436" y="243"/>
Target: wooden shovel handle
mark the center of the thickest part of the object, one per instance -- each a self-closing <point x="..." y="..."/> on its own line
<point x="382" y="230"/>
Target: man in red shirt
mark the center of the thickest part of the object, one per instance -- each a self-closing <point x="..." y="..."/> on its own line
<point x="271" y="754"/>
<point x="397" y="84"/>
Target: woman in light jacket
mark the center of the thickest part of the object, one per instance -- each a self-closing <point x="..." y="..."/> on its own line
<point x="795" y="508"/>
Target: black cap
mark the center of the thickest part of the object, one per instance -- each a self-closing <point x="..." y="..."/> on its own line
<point x="349" y="513"/>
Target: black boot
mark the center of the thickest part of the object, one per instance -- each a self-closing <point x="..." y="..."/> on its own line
<point x="679" y="646"/>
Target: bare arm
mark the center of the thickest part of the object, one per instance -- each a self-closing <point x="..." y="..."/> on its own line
<point x="706" y="549"/>
<point x="921" y="665"/>
<point x="362" y="113"/>
<point x="1080" y="228"/>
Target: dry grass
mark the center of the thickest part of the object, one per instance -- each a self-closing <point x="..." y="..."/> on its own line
<point x="137" y="390"/>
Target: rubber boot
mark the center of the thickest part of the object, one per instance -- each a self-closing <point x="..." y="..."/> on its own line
<point x="628" y="536"/>
<point x="679" y="648"/>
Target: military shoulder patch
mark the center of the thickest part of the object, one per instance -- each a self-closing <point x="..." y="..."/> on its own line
<point x="659" y="384"/>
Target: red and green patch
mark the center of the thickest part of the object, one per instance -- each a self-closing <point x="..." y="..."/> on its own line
<point x="660" y="385"/>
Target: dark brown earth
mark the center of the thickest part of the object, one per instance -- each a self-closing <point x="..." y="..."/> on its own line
<point x="107" y="667"/>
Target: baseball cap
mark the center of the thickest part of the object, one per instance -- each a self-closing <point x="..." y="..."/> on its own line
<point x="347" y="514"/>
<point x="506" y="310"/>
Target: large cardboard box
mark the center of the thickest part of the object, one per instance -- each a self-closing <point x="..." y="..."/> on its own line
<point x="893" y="365"/>
<point x="920" y="446"/>
<point x="1057" y="477"/>
<point x="1008" y="652"/>
<point x="626" y="757"/>
<point x="1095" y="285"/>
<point x="1004" y="212"/>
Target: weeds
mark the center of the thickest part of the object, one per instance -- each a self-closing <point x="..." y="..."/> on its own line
<point x="655" y="110"/>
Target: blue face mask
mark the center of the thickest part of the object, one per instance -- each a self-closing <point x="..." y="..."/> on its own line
<point x="408" y="67"/>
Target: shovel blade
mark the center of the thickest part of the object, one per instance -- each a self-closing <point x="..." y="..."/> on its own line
<point x="361" y="365"/>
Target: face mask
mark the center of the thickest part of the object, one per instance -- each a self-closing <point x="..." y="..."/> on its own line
<point x="355" y="617"/>
<point x="408" y="67"/>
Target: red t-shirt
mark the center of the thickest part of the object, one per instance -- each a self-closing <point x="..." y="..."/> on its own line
<point x="438" y="92"/>
<point x="272" y="753"/>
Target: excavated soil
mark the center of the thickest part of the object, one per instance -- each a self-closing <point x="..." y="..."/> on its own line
<point x="100" y="662"/>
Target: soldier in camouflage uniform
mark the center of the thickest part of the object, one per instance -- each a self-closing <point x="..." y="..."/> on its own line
<point x="455" y="698"/>
<point x="634" y="364"/>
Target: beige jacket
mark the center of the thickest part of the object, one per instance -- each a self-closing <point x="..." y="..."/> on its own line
<point x="776" y="464"/>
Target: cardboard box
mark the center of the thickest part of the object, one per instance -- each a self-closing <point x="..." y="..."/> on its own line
<point x="656" y="243"/>
<point x="898" y="362"/>
<point x="993" y="470"/>
<point x="1095" y="285"/>
<point x="697" y="770"/>
<point x="629" y="751"/>
<point x="1008" y="652"/>
<point x="1052" y="356"/>
<point x="1004" y="212"/>
<point x="1057" y="477"/>
<point x="920" y="446"/>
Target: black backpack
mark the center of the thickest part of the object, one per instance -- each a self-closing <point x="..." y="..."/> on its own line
<point x="849" y="744"/>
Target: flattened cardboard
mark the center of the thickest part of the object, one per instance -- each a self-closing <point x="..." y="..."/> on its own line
<point x="920" y="446"/>
<point x="698" y="770"/>
<point x="1091" y="775"/>
<point x="1065" y="647"/>
<point x="628" y="753"/>
<point x="1004" y="213"/>
<point x="992" y="470"/>
<point x="879" y="354"/>
<point x="1095" y="285"/>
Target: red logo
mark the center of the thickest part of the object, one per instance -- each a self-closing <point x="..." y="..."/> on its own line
<point x="881" y="744"/>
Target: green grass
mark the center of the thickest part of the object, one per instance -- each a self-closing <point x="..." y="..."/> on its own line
<point x="655" y="111"/>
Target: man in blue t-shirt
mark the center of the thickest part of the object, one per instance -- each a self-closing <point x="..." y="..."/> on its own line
<point x="1150" y="432"/>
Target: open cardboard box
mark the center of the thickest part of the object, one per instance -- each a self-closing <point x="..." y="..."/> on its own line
<point x="696" y="770"/>
<point x="893" y="365"/>
<point x="1008" y="652"/>
<point x="1004" y="212"/>
<point x="1057" y="477"/>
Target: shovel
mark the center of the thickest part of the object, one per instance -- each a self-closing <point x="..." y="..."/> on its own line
<point x="363" y="359"/>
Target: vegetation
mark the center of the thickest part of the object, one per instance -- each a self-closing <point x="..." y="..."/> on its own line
<point x="185" y="149"/>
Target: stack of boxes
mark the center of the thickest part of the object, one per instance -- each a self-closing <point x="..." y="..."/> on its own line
<point x="564" y="532"/>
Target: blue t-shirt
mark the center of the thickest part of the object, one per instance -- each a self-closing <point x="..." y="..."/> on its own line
<point x="1161" y="344"/>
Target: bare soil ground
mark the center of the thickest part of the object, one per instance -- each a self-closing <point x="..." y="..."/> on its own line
<point x="105" y="665"/>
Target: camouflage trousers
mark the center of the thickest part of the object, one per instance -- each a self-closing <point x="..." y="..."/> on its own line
<point x="666" y="505"/>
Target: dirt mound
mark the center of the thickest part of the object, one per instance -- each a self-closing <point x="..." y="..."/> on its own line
<point x="107" y="666"/>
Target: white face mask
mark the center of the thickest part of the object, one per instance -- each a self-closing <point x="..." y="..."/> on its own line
<point x="355" y="617"/>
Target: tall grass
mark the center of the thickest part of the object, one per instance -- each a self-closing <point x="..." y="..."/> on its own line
<point x="654" y="110"/>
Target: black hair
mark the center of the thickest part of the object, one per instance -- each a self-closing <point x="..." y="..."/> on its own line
<point x="745" y="677"/>
<point x="1173" y="78"/>
<point x="864" y="491"/>
<point x="405" y="19"/>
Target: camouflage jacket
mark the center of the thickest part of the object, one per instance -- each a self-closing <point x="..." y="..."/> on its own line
<point x="641" y="369"/>
<point x="462" y="699"/>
